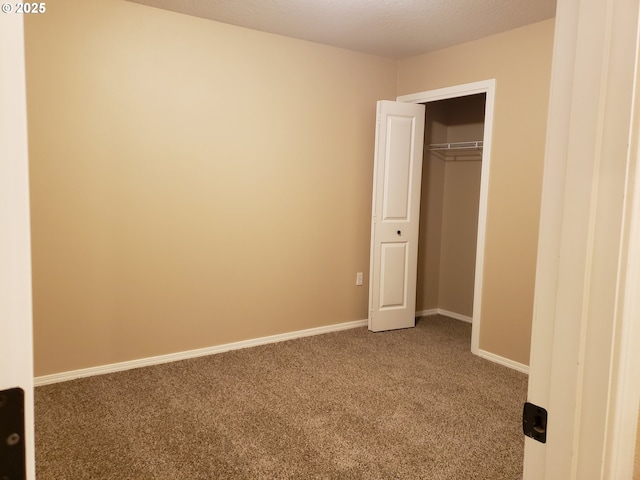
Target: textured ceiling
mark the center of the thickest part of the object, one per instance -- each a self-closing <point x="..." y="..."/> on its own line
<point x="390" y="28"/>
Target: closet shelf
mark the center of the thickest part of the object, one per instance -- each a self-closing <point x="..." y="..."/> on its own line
<point x="457" y="151"/>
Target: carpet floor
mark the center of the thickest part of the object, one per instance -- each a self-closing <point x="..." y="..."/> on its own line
<point x="408" y="404"/>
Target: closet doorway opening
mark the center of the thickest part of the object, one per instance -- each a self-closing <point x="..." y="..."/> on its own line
<point x="432" y="262"/>
<point x="449" y="206"/>
<point x="453" y="201"/>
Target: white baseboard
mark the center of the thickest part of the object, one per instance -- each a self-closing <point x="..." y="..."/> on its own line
<point x="504" y="361"/>
<point x="173" y="357"/>
<point x="446" y="313"/>
<point x="481" y="353"/>
<point x="200" y="352"/>
<point x="457" y="316"/>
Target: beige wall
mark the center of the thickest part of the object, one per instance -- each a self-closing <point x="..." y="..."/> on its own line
<point x="459" y="233"/>
<point x="520" y="61"/>
<point x="193" y="183"/>
<point x="431" y="205"/>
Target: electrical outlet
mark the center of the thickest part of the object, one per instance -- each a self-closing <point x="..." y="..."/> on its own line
<point x="359" y="278"/>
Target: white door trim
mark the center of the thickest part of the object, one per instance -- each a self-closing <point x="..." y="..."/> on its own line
<point x="15" y="252"/>
<point x="487" y="87"/>
<point x="581" y="312"/>
<point x="625" y="385"/>
<point x="624" y="396"/>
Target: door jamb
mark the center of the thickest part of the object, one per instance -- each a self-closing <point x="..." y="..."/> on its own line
<point x="16" y="342"/>
<point x="487" y="87"/>
<point x="621" y="435"/>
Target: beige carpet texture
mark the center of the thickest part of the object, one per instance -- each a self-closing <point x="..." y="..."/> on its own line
<point x="408" y="404"/>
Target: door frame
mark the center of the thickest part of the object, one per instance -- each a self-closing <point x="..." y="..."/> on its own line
<point x="624" y="394"/>
<point x="487" y="87"/>
<point x="16" y="348"/>
<point x="584" y="358"/>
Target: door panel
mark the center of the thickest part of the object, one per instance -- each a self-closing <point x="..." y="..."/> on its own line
<point x="397" y="163"/>
<point x="392" y="284"/>
<point x="395" y="215"/>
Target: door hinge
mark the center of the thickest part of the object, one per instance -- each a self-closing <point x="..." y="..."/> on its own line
<point x="534" y="422"/>
<point x="12" y="445"/>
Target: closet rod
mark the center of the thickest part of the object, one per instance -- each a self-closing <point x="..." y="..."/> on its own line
<point x="457" y="146"/>
<point x="458" y="151"/>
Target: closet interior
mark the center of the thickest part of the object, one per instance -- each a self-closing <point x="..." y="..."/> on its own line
<point x="452" y="165"/>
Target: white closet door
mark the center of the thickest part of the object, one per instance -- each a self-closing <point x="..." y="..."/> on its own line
<point x="395" y="215"/>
